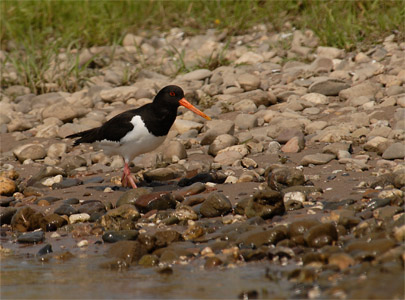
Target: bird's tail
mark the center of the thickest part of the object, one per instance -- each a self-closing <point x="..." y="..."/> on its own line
<point x="87" y="136"/>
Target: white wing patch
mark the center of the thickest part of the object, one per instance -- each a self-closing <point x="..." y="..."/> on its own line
<point x="137" y="141"/>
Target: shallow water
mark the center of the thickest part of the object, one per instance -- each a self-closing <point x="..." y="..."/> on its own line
<point x="81" y="278"/>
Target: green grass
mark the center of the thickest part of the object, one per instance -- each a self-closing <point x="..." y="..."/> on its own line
<point x="32" y="31"/>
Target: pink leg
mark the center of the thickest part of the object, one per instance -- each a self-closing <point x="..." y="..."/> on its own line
<point x="127" y="177"/>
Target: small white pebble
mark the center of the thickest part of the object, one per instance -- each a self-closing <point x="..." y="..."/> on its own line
<point x="55" y="235"/>
<point x="76" y="218"/>
<point x="210" y="184"/>
<point x="108" y="190"/>
<point x="83" y="243"/>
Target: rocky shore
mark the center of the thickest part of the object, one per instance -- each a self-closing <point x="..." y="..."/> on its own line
<point x="301" y="167"/>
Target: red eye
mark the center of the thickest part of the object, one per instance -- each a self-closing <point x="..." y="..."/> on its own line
<point x="172" y="94"/>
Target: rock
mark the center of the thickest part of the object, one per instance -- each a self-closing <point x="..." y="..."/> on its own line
<point x="249" y="58"/>
<point x="7" y="186"/>
<point x="79" y="218"/>
<point x="6" y="214"/>
<point x="29" y="151"/>
<point x="129" y="251"/>
<point x="120" y="218"/>
<point x="149" y="260"/>
<point x="299" y="228"/>
<point x="31" y="237"/>
<point x="329" y="52"/>
<point x="285" y="177"/>
<point x="131" y="40"/>
<point x="166" y="237"/>
<point x="265" y="204"/>
<point x="294" y="145"/>
<point x="342" y="260"/>
<point x="54" y="221"/>
<point x="220" y="127"/>
<point x="183" y="126"/>
<point x="199" y="74"/>
<point x="56" y="150"/>
<point x="316" y="159"/>
<point x="246" y="106"/>
<point x="255" y="239"/>
<point x="158" y="201"/>
<point x="174" y="150"/>
<point x="63" y="111"/>
<point x="221" y="142"/>
<point x="215" y="205"/>
<point x="328" y="87"/>
<point x="67" y="183"/>
<point x="123" y="235"/>
<point x="335" y="148"/>
<point x="227" y="158"/>
<point x="160" y="174"/>
<point x="45" y="250"/>
<point x="321" y="235"/>
<point x="316" y="98"/>
<point x="184" y="212"/>
<point x="246" y="121"/>
<point x="130" y="197"/>
<point x="249" y="82"/>
<point x="395" y="151"/>
<point x="366" y="88"/>
<point x="65" y="209"/>
<point x="72" y="162"/>
<point x="118" y="94"/>
<point x="27" y="219"/>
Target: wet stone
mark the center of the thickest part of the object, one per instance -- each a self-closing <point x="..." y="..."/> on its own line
<point x="317" y="159"/>
<point x="321" y="235"/>
<point x="166" y="237"/>
<point x="215" y="205"/>
<point x="54" y="221"/>
<point x="115" y="236"/>
<point x="149" y="260"/>
<point x="301" y="227"/>
<point x="31" y="237"/>
<point x="257" y="239"/>
<point x="120" y="218"/>
<point x="129" y="251"/>
<point x="67" y="183"/>
<point x="7" y="186"/>
<point x="6" y="214"/>
<point x="130" y="197"/>
<point x="92" y="207"/>
<point x="265" y="204"/>
<point x="27" y="219"/>
<point x="285" y="177"/>
<point x="66" y="209"/>
<point x="45" y="250"/>
<point x="158" y="201"/>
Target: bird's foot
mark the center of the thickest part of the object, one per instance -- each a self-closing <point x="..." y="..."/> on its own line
<point x="127" y="179"/>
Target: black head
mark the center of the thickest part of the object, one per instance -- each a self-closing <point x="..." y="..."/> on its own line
<point x="170" y="94"/>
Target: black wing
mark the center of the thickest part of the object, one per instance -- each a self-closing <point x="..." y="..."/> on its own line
<point x="112" y="130"/>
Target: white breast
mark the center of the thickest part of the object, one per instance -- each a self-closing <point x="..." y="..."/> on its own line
<point x="137" y="141"/>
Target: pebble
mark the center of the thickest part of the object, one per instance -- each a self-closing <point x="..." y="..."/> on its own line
<point x="7" y="186"/>
<point x="31" y="237"/>
<point x="79" y="218"/>
<point x="215" y="205"/>
<point x="316" y="159"/>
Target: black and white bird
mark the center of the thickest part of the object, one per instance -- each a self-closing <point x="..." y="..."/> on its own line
<point x="139" y="130"/>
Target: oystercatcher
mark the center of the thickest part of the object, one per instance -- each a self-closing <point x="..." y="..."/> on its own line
<point x="139" y="130"/>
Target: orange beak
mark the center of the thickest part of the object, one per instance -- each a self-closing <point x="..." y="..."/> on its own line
<point x="188" y="105"/>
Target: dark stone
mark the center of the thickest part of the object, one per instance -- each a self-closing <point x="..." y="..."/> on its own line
<point x="51" y="200"/>
<point x="27" y="219"/>
<point x="215" y="205"/>
<point x="165" y="238"/>
<point x="54" y="221"/>
<point x="71" y="201"/>
<point x="67" y="183"/>
<point x="120" y="218"/>
<point x="97" y="179"/>
<point x="265" y="204"/>
<point x="123" y="235"/>
<point x="31" y="237"/>
<point x="298" y="228"/>
<point x="4" y="202"/>
<point x="45" y="250"/>
<point x="194" y="200"/>
<point x="92" y="207"/>
<point x="158" y="201"/>
<point x="251" y="294"/>
<point x="65" y="209"/>
<point x="377" y="203"/>
<point x="6" y="214"/>
<point x="130" y="197"/>
<point x="149" y="260"/>
<point x="217" y="177"/>
<point x="285" y="177"/>
<point x="195" y="188"/>
<point x="291" y="205"/>
<point x="70" y="163"/>
<point x="257" y="239"/>
<point x="129" y="251"/>
<point x="212" y="262"/>
<point x="321" y="235"/>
